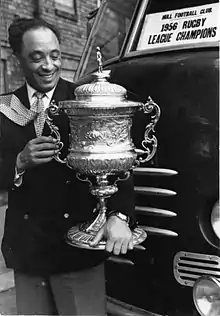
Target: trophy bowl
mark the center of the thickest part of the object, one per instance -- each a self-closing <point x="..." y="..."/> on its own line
<point x="100" y="121"/>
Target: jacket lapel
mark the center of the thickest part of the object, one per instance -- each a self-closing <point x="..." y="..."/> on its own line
<point x="64" y="91"/>
<point x="22" y="95"/>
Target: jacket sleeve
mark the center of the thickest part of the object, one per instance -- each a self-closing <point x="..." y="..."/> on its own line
<point x="8" y="157"/>
<point x="124" y="200"/>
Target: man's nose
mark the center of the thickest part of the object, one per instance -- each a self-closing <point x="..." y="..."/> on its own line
<point x="48" y="64"/>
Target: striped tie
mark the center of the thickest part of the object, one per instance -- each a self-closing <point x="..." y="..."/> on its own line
<point x="38" y="108"/>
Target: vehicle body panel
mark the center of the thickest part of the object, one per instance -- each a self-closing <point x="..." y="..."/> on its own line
<point x="187" y="134"/>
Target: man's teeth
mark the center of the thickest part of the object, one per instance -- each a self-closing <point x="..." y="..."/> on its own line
<point x="47" y="76"/>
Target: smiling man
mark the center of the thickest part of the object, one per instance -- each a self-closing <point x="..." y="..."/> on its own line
<point x="45" y="198"/>
<point x="40" y="58"/>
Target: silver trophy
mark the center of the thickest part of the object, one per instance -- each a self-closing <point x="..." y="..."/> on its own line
<point x="100" y="121"/>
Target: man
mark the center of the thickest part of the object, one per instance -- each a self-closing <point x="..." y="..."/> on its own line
<point x="45" y="198"/>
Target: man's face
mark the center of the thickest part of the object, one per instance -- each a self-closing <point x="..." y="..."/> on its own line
<point x="40" y="59"/>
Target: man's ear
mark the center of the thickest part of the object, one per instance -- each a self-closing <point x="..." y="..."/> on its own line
<point x="17" y="61"/>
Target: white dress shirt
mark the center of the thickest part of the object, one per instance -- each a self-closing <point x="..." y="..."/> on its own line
<point x="46" y="99"/>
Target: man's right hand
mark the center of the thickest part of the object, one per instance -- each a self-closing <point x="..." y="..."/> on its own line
<point x="37" y="151"/>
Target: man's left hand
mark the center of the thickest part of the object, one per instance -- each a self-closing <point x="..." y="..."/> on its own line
<point x="117" y="234"/>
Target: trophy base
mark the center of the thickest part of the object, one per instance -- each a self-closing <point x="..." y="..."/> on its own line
<point x="78" y="237"/>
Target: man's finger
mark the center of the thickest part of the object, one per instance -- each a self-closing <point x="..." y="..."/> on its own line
<point x="45" y="146"/>
<point x="117" y="248"/>
<point x="46" y="153"/>
<point x="43" y="139"/>
<point x="97" y="238"/>
<point x="109" y="245"/>
<point x="131" y="244"/>
<point x="42" y="160"/>
<point x="124" y="247"/>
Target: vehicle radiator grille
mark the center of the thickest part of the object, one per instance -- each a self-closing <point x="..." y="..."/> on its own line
<point x="148" y="210"/>
<point x="189" y="266"/>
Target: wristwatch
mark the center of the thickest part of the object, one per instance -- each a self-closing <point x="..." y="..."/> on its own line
<point x="122" y="216"/>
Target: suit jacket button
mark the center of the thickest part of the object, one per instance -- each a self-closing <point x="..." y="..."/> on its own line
<point x="66" y="215"/>
<point x="68" y="181"/>
<point x="25" y="216"/>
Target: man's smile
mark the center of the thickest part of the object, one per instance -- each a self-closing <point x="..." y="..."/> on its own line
<point x="47" y="77"/>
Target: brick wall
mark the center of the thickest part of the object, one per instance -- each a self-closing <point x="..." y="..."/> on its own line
<point x="72" y="25"/>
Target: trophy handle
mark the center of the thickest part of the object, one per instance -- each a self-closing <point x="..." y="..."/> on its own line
<point x="149" y="138"/>
<point x="53" y="109"/>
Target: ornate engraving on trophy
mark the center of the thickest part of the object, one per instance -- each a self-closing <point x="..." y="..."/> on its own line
<point x="101" y="132"/>
<point x="109" y="133"/>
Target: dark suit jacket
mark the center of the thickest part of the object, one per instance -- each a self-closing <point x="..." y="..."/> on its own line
<point x="49" y="202"/>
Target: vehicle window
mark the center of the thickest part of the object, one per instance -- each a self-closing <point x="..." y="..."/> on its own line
<point x="108" y="32"/>
<point x="168" y="24"/>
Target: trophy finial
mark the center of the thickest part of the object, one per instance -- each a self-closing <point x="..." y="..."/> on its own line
<point x="99" y="58"/>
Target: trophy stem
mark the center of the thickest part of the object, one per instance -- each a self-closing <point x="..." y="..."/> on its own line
<point x="81" y="235"/>
<point x="100" y="220"/>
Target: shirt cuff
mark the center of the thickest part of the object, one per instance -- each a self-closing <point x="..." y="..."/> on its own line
<point x="18" y="178"/>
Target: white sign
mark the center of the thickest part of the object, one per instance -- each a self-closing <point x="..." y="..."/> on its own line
<point x="179" y="27"/>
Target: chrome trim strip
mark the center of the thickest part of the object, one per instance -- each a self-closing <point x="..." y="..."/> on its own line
<point x="155" y="171"/>
<point x="139" y="247"/>
<point x="119" y="308"/>
<point x="120" y="260"/>
<point x="158" y="231"/>
<point x="180" y="48"/>
<point x="202" y="271"/>
<point x="201" y="256"/>
<point x="197" y="263"/>
<point x="153" y="191"/>
<point x="190" y="276"/>
<point x="147" y="210"/>
<point x="189" y="266"/>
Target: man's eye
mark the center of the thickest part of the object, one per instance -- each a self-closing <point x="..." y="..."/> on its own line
<point x="55" y="56"/>
<point x="36" y="59"/>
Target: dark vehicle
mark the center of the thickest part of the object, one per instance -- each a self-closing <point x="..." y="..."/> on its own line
<point x="168" y="50"/>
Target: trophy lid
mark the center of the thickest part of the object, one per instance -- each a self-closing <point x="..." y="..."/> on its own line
<point x="100" y="88"/>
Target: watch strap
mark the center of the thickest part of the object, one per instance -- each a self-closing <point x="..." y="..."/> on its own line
<point x="121" y="216"/>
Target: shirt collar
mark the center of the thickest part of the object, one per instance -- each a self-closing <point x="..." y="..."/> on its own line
<point x="31" y="91"/>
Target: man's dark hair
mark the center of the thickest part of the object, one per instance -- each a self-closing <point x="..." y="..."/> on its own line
<point x="21" y="25"/>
